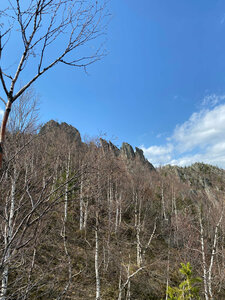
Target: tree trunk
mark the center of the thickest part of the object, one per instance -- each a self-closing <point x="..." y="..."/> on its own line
<point x="81" y="204"/>
<point x="120" y="287"/>
<point x="212" y="257"/>
<point x="203" y="259"/>
<point x="97" y="261"/>
<point x="7" y="241"/>
<point x="138" y="231"/>
<point x="163" y="204"/>
<point x="3" y="128"/>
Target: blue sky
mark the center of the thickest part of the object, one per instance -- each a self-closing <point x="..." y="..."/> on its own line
<point x="161" y="86"/>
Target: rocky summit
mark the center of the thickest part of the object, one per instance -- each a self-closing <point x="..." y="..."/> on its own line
<point x="126" y="152"/>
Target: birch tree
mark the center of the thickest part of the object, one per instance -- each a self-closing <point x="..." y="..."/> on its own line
<point x="47" y="33"/>
<point x="208" y="266"/>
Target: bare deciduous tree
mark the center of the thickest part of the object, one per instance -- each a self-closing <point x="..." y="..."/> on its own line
<point x="49" y="32"/>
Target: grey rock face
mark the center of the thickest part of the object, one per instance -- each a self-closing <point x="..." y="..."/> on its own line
<point x="72" y="133"/>
<point x="104" y="144"/>
<point x="139" y="154"/>
<point x="114" y="149"/>
<point x="199" y="175"/>
<point x="127" y="151"/>
<point x="108" y="146"/>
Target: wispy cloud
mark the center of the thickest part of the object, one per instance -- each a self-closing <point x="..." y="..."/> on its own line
<point x="200" y="138"/>
<point x="212" y="100"/>
<point x="1" y="113"/>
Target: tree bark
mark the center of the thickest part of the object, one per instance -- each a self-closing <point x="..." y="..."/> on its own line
<point x="3" y="128"/>
<point x="203" y="259"/>
<point x="7" y="241"/>
<point x="97" y="261"/>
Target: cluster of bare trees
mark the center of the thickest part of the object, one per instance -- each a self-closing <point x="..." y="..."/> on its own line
<point x="77" y="223"/>
<point x="62" y="212"/>
<point x="197" y="230"/>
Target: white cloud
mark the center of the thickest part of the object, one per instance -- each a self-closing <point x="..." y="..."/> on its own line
<point x="212" y="100"/>
<point x="202" y="129"/>
<point x="201" y="138"/>
<point x="158" y="155"/>
<point x="1" y="113"/>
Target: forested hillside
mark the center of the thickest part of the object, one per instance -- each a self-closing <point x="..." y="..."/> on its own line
<point x="86" y="220"/>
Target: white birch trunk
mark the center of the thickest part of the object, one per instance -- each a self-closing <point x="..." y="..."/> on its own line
<point x="29" y="276"/>
<point x="203" y="259"/>
<point x="120" y="209"/>
<point x="120" y="287"/>
<point x="128" y="291"/>
<point x="117" y="216"/>
<point x="110" y="199"/>
<point x="97" y="277"/>
<point x="149" y="241"/>
<point x="135" y="208"/>
<point x="138" y="230"/>
<point x="174" y="209"/>
<point x="66" y="190"/>
<point x="64" y="233"/>
<point x="128" y="282"/>
<point x="212" y="257"/>
<point x="8" y="231"/>
<point x="163" y="204"/>
<point x="85" y="214"/>
<point x="139" y="258"/>
<point x="117" y="211"/>
<point x="97" y="261"/>
<point x="167" y="275"/>
<point x="81" y="204"/>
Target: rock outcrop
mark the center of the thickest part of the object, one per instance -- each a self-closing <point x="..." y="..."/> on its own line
<point x="198" y="175"/>
<point x="126" y="152"/>
<point x="108" y="146"/>
<point x="139" y="155"/>
<point x="71" y="132"/>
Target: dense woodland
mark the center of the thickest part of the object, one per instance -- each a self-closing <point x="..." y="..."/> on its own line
<point x="86" y="220"/>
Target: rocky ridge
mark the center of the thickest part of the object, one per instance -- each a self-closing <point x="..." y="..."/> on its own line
<point x="126" y="152"/>
<point x="198" y="175"/>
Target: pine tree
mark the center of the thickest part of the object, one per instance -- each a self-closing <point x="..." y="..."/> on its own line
<point x="187" y="289"/>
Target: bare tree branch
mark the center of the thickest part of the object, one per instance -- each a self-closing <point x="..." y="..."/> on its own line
<point x="45" y="25"/>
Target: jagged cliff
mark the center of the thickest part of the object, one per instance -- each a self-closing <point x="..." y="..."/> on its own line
<point x="126" y="152"/>
<point x="72" y="134"/>
<point x="198" y="175"/>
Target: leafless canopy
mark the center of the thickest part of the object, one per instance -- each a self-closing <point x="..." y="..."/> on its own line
<point x="45" y="33"/>
<point x="63" y="24"/>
